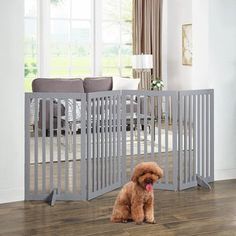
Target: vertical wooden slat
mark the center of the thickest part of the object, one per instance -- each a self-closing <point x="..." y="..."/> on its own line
<point x="190" y="140"/>
<point x="27" y="146"/>
<point x="138" y="128"/>
<point x="174" y="113"/>
<point x="106" y="141"/>
<point x="66" y="145"/>
<point x="180" y="164"/>
<point x="159" y="111"/>
<point x="110" y="140"/>
<point x="59" y="145"/>
<point x="114" y="138"/>
<point x="203" y="136"/>
<point x="194" y="136"/>
<point x="199" y="135"/>
<point x="207" y="135"/>
<point x="185" y="140"/>
<point x="51" y="146"/>
<point x="36" y="114"/>
<point x="212" y="136"/>
<point x="43" y="145"/>
<point x="83" y="168"/>
<point x="145" y="127"/>
<point x="102" y="144"/>
<point x="132" y="132"/>
<point x="152" y="127"/>
<point x="74" y="168"/>
<point x="98" y="144"/>
<point x="118" y="137"/>
<point x="166" y="140"/>
<point x="94" y="147"/>
<point x="89" y="146"/>
<point x="123" y="160"/>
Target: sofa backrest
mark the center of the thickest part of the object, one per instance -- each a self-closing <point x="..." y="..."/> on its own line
<point x="96" y="84"/>
<point x="58" y="85"/>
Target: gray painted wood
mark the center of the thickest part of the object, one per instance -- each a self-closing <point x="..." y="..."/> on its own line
<point x="211" y="135"/>
<point x="36" y="176"/>
<point x="74" y="165"/>
<point x="66" y="147"/>
<point x="132" y="132"/>
<point x="145" y="127"/>
<point x="51" y="146"/>
<point x="59" y="146"/>
<point x="194" y="136"/>
<point x="207" y="127"/>
<point x="102" y="144"/>
<point x="43" y="145"/>
<point x="159" y="114"/>
<point x="203" y="137"/>
<point x="152" y="110"/>
<point x="198" y="136"/>
<point x="27" y="146"/>
<point x="138" y="128"/>
<point x="166" y="140"/>
<point x="190" y="140"/>
<point x="103" y="168"/>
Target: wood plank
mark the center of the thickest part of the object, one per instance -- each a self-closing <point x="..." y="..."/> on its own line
<point x="191" y="212"/>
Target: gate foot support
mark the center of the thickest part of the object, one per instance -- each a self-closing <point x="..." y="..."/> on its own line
<point x="201" y="182"/>
<point x="52" y="197"/>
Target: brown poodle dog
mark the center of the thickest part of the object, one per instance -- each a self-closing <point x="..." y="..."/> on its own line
<point x="135" y="201"/>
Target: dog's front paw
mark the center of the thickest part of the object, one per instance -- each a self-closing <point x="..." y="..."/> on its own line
<point x="151" y="221"/>
<point x="138" y="222"/>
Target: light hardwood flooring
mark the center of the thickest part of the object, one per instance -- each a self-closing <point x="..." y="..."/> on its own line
<point x="192" y="212"/>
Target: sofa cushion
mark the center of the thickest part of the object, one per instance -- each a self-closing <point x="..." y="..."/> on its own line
<point x="125" y="83"/>
<point x="96" y="84"/>
<point x="58" y="85"/>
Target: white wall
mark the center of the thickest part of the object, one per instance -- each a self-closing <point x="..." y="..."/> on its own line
<point x="12" y="101"/>
<point x="200" y="30"/>
<point x="215" y="67"/>
<point x="179" y="12"/>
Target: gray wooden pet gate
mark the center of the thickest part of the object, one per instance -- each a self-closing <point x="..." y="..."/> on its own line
<point x="79" y="146"/>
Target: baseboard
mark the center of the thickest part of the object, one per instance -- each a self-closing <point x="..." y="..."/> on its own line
<point x="225" y="174"/>
<point x="11" y="195"/>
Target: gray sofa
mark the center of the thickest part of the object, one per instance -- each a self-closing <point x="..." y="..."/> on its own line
<point x="77" y="85"/>
<point x="88" y="85"/>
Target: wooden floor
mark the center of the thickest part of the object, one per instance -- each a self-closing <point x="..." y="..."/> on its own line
<point x="192" y="212"/>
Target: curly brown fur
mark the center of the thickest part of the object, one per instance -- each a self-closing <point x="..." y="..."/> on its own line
<point x="134" y="202"/>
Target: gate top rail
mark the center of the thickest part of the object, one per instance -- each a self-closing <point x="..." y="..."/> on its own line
<point x="104" y="93"/>
<point x="149" y="92"/>
<point x="196" y="92"/>
<point x="117" y="92"/>
<point x="55" y="95"/>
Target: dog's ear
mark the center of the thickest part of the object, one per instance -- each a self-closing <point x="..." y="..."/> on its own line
<point x="134" y="176"/>
<point x="136" y="173"/>
<point x="159" y="171"/>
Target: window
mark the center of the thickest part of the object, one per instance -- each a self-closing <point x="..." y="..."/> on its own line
<point x="30" y="43"/>
<point x="70" y="38"/>
<point x="77" y="38"/>
<point x="116" y="37"/>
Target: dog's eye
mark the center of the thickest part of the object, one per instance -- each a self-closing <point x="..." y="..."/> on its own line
<point x="151" y="172"/>
<point x="143" y="173"/>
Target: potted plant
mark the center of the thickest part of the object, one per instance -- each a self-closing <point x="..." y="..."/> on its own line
<point x="157" y="84"/>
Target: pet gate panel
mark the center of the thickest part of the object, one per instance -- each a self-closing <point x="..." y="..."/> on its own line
<point x="149" y="133"/>
<point x="80" y="146"/>
<point x="104" y="142"/>
<point x="55" y="150"/>
<point x="196" y="137"/>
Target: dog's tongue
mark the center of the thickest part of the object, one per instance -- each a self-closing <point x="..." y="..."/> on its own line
<point x="149" y="187"/>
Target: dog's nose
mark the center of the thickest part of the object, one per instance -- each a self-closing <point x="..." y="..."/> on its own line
<point x="148" y="181"/>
